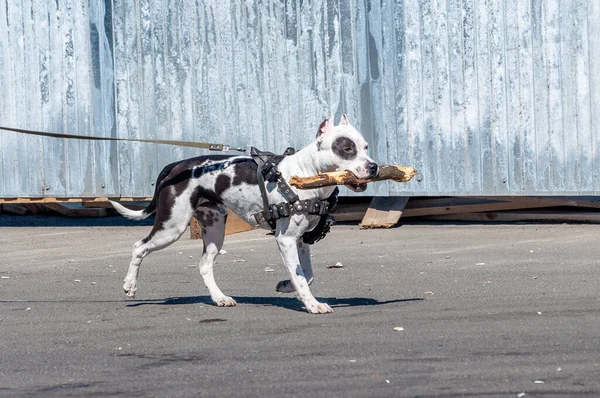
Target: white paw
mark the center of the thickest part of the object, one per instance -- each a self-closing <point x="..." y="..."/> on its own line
<point x="285" y="287"/>
<point x="225" y="301"/>
<point x="130" y="288"/>
<point x="319" y="308"/>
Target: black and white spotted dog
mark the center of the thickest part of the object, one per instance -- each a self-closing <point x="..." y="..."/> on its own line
<point x="205" y="187"/>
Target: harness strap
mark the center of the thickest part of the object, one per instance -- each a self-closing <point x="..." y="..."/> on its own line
<point x="265" y="214"/>
<point x="285" y="209"/>
<point x="267" y="171"/>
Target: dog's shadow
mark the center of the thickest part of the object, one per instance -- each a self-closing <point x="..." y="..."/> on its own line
<point x="290" y="303"/>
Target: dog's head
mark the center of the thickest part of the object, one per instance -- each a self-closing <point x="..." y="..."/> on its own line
<point x="344" y="148"/>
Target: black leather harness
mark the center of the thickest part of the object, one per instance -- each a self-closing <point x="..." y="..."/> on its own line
<point x="267" y="172"/>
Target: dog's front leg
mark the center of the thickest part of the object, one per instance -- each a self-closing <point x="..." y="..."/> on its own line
<point x="306" y="264"/>
<point x="288" y="247"/>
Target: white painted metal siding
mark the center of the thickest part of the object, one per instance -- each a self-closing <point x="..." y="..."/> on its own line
<point x="487" y="97"/>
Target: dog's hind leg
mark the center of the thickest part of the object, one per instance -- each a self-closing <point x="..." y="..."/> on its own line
<point x="168" y="227"/>
<point x="305" y="262"/>
<point x="212" y="220"/>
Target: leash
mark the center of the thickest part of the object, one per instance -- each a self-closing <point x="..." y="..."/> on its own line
<point x="204" y="145"/>
<point x="266" y="172"/>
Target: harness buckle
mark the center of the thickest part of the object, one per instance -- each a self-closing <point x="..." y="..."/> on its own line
<point x="275" y="212"/>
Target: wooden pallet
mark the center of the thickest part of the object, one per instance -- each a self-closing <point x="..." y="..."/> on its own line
<point x="71" y="200"/>
<point x="382" y="212"/>
<point x="462" y="207"/>
<point x="68" y="207"/>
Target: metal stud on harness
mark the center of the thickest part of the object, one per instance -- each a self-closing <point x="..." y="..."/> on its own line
<point x="267" y="172"/>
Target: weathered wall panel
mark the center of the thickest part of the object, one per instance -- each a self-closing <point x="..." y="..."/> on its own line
<point x="490" y="97"/>
<point x="55" y="75"/>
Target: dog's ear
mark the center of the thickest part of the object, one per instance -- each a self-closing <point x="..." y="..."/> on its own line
<point x="325" y="127"/>
<point x="345" y="120"/>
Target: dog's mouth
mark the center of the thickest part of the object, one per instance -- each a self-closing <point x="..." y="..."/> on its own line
<point x="357" y="187"/>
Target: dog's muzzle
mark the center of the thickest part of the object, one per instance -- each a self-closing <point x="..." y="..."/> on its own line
<point x="373" y="169"/>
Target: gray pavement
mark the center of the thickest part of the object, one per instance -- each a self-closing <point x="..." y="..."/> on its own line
<point x="487" y="310"/>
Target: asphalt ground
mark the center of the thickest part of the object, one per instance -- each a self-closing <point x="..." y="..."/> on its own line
<point x="484" y="310"/>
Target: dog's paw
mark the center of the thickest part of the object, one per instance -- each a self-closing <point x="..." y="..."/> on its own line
<point x="285" y="287"/>
<point x="130" y="288"/>
<point x="225" y="301"/>
<point x="319" y="308"/>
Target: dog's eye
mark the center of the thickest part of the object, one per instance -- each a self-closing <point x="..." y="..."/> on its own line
<point x="348" y="149"/>
<point x="366" y="147"/>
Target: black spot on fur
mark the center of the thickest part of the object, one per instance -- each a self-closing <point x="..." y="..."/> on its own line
<point x="245" y="173"/>
<point x="205" y="221"/>
<point x="344" y="147"/>
<point x="201" y="195"/>
<point x="209" y="215"/>
<point x="223" y="182"/>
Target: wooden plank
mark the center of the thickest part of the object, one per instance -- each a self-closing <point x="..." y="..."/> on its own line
<point x="514" y="216"/>
<point x="472" y="208"/>
<point x="15" y="209"/>
<point x="350" y="212"/>
<point x="432" y="207"/>
<point x="384" y="212"/>
<point x="573" y="201"/>
<point x="56" y="208"/>
<point x="73" y="200"/>
<point x="414" y="203"/>
<point x="75" y="210"/>
<point x="35" y="209"/>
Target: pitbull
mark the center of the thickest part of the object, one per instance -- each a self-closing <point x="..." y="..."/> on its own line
<point x="205" y="187"/>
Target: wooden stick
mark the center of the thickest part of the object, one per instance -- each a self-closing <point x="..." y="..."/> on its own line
<point x="386" y="172"/>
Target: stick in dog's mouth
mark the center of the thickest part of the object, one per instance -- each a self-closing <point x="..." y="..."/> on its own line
<point x="351" y="181"/>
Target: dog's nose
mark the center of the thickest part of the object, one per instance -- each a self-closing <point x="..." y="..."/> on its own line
<point x="373" y="169"/>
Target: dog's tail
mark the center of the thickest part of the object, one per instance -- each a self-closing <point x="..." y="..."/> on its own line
<point x="148" y="211"/>
<point x="131" y="214"/>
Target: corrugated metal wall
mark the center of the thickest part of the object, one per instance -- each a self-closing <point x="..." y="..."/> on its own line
<point x="486" y="97"/>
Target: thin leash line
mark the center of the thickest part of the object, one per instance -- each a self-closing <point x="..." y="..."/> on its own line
<point x="205" y="145"/>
